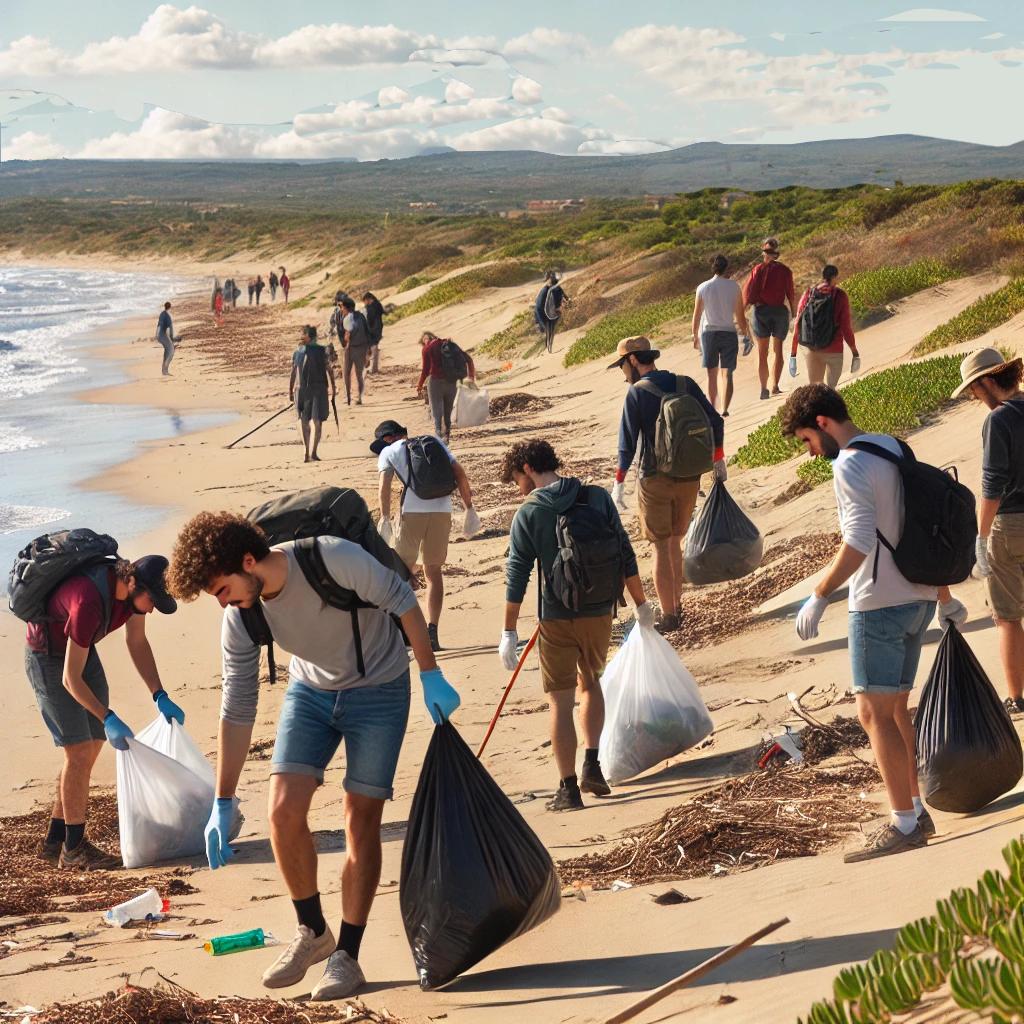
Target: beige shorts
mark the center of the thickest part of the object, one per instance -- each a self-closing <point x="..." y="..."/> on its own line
<point x="571" y="647"/>
<point x="823" y="367"/>
<point x="1006" y="557"/>
<point x="423" y="537"/>
<point x="666" y="506"/>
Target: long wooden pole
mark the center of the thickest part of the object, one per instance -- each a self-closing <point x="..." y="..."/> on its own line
<point x="263" y="424"/>
<point x="693" y="974"/>
<point x="508" y="689"/>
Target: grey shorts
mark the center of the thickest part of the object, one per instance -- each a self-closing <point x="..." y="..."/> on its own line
<point x="719" y="348"/>
<point x="69" y="723"/>
<point x="771" y="322"/>
<point x="316" y="406"/>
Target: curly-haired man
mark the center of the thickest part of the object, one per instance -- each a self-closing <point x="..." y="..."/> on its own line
<point x="330" y="698"/>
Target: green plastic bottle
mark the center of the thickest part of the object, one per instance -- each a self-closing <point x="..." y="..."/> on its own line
<point x="235" y="943"/>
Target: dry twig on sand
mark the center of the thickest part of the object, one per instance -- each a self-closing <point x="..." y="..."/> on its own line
<point x="842" y="735"/>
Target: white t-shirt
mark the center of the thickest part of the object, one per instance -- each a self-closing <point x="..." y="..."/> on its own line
<point x="869" y="498"/>
<point x="719" y="295"/>
<point x="395" y="458"/>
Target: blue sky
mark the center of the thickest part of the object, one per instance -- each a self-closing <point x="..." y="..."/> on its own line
<point x="223" y="78"/>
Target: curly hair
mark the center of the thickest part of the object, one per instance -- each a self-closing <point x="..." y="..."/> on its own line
<point x="538" y="455"/>
<point x="1008" y="378"/>
<point x="212" y="544"/>
<point x="806" y="404"/>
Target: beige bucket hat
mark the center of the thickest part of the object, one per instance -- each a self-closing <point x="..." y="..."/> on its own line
<point x="628" y="346"/>
<point x="981" y="364"/>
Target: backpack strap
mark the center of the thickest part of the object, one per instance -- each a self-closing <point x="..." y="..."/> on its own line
<point x="260" y="633"/>
<point x="651" y="387"/>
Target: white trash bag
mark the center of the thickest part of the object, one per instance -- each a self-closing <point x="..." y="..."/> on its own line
<point x="472" y="405"/>
<point x="164" y="795"/>
<point x="653" y="708"/>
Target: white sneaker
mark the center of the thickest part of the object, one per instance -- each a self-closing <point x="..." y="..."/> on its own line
<point x="303" y="951"/>
<point x="342" y="978"/>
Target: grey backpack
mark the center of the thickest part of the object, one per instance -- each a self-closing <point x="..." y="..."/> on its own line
<point x="684" y="446"/>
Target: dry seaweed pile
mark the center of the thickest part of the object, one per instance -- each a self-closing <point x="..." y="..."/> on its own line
<point x="171" y="1004"/>
<point x="261" y="750"/>
<point x="842" y="735"/>
<point x="794" y="811"/>
<point x="517" y="402"/>
<point x="29" y="885"/>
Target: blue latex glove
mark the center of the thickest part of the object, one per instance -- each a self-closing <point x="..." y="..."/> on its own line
<point x="439" y="695"/>
<point x="168" y="708"/>
<point x="792" y="366"/>
<point x="117" y="732"/>
<point x="218" y="853"/>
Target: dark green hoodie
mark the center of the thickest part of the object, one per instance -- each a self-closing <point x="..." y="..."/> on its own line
<point x="533" y="538"/>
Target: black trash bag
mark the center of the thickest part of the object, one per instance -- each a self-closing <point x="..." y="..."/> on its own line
<point x="722" y="543"/>
<point x="474" y="875"/>
<point x="968" y="751"/>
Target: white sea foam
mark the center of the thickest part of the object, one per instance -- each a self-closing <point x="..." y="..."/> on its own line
<point x="22" y="517"/>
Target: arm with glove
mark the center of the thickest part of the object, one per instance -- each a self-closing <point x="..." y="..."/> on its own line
<point x="951" y="611"/>
<point x="440" y="697"/>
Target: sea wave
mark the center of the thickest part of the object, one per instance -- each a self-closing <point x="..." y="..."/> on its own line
<point x="22" y="517"/>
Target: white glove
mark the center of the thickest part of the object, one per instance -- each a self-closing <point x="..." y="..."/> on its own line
<point x="792" y="366"/>
<point x="507" y="649"/>
<point x="471" y="524"/>
<point x="981" y="556"/>
<point x="809" y="616"/>
<point x="645" y="615"/>
<point x="748" y="345"/>
<point x="855" y="364"/>
<point x="619" y="495"/>
<point x="953" y="612"/>
<point x="720" y="471"/>
<point x="387" y="534"/>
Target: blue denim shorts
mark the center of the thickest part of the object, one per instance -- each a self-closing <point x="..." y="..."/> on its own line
<point x="885" y="646"/>
<point x="370" y="719"/>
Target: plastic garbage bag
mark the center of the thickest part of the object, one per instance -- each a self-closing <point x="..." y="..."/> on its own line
<point x="653" y="708"/>
<point x="472" y="405"/>
<point x="722" y="543"/>
<point x="968" y="752"/>
<point x="474" y="875"/>
<point x="471" y="524"/>
<point x="164" y="794"/>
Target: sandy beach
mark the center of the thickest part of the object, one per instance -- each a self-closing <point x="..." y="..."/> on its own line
<point x="604" y="947"/>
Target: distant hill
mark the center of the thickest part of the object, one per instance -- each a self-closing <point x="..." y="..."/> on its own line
<point x="499" y="180"/>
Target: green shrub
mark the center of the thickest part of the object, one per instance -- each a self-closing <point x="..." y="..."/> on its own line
<point x="507" y="341"/>
<point x="414" y="281"/>
<point x="871" y="290"/>
<point x="977" y="319"/>
<point x="464" y="286"/>
<point x="603" y="337"/>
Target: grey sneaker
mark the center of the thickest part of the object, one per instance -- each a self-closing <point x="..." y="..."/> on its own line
<point x="668" y="624"/>
<point x="86" y="857"/>
<point x="925" y="824"/>
<point x="303" y="951"/>
<point x="885" y="840"/>
<point x="342" y="978"/>
<point x="49" y="852"/>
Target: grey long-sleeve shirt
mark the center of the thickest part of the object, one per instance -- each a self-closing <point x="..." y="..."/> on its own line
<point x="1002" y="466"/>
<point x="318" y="637"/>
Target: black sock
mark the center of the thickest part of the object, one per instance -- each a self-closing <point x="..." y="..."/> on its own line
<point x="73" y="836"/>
<point x="570" y="782"/>
<point x="350" y="938"/>
<point x="58" y="831"/>
<point x="590" y="757"/>
<point x="310" y="914"/>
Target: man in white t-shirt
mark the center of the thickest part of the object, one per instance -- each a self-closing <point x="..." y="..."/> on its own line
<point x="719" y="320"/>
<point x="888" y="614"/>
<point x="421" y="533"/>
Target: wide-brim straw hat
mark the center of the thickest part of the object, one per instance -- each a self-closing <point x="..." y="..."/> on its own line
<point x="980" y="364"/>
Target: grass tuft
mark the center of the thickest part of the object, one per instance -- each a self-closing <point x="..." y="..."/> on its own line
<point x="977" y="319"/>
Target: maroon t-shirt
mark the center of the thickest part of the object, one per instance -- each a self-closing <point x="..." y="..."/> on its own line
<point x="76" y="611"/>
<point x="770" y="284"/>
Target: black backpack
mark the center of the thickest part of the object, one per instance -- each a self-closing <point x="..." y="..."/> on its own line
<point x="313" y="371"/>
<point x="430" y="473"/>
<point x="940" y="524"/>
<point x="817" y="320"/>
<point x="454" y="364"/>
<point x="302" y="517"/>
<point x="589" y="571"/>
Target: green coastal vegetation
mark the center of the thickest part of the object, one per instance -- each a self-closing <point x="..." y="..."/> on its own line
<point x="980" y="317"/>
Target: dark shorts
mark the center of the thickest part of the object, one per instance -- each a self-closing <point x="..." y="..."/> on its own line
<point x="316" y="406"/>
<point x="69" y="723"/>
<point x="719" y="349"/>
<point x="771" y="322"/>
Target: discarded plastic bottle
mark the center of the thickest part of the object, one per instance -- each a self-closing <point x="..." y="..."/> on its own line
<point x="254" y="939"/>
<point x="144" y="907"/>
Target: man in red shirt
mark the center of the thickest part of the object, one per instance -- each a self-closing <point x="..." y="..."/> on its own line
<point x="71" y="688"/>
<point x="441" y="384"/>
<point x="825" y="365"/>
<point x="770" y="291"/>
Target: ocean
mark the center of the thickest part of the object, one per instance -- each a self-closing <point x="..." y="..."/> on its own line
<point x="51" y="441"/>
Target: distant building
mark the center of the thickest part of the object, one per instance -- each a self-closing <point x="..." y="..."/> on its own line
<point x="423" y="206"/>
<point x="554" y="205"/>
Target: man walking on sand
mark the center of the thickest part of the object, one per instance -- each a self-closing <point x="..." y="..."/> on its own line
<point x="719" y="321"/>
<point x="574" y="640"/>
<point x="71" y="689"/>
<point x="165" y="335"/>
<point x="444" y="364"/>
<point x="424" y="523"/>
<point x="822" y="325"/>
<point x="312" y="370"/>
<point x="770" y="291"/>
<point x="665" y="499"/>
<point x="286" y="283"/>
<point x="355" y="336"/>
<point x="995" y="382"/>
<point x="328" y="700"/>
<point x="547" y="308"/>
<point x="888" y="615"/>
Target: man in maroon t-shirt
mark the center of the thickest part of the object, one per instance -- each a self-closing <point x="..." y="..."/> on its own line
<point x="71" y="688"/>
<point x="440" y="390"/>
<point x="769" y="290"/>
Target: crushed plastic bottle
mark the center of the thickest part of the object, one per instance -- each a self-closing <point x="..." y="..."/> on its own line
<point x="147" y="906"/>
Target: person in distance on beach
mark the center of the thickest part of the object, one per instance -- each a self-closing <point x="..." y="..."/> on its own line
<point x="444" y="364"/>
<point x="258" y="287"/>
<point x="218" y="307"/>
<point x="251" y="288"/>
<point x="312" y="371"/>
<point x="665" y="500"/>
<point x="547" y="308"/>
<point x="824" y="356"/>
<point x="770" y="291"/>
<point x="719" y="321"/>
<point x="574" y="641"/>
<point x="374" y="313"/>
<point x="272" y="283"/>
<point x="165" y="335"/>
<point x="285" y="282"/>
<point x="355" y="336"/>
<point x="328" y="700"/>
<point x="995" y="382"/>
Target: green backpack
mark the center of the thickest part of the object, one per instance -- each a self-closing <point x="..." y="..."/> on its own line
<point x="684" y="446"/>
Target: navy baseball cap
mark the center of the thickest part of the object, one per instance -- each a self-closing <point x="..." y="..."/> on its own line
<point x="149" y="576"/>
<point x="389" y="428"/>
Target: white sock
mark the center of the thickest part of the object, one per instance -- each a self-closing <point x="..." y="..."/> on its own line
<point x="918" y="806"/>
<point x="905" y="821"/>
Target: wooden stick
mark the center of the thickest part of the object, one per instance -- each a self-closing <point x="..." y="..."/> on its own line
<point x="263" y="424"/>
<point x="693" y="974"/>
<point x="508" y="689"/>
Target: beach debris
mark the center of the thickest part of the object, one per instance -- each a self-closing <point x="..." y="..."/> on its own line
<point x="843" y="735"/>
<point x="672" y="898"/>
<point x="255" y="938"/>
<point x="163" y="933"/>
<point x="260" y="750"/>
<point x="619" y="884"/>
<point x="517" y="402"/>
<point x="147" y="906"/>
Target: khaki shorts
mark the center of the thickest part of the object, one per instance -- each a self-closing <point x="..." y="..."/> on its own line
<point x="823" y="367"/>
<point x="1006" y="556"/>
<point x="423" y="537"/>
<point x="571" y="647"/>
<point x="666" y="506"/>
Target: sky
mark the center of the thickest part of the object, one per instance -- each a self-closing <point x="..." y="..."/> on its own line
<point x="323" y="80"/>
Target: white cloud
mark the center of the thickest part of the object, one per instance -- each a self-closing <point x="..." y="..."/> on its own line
<point x="526" y="90"/>
<point x="456" y="90"/>
<point x="546" y="44"/>
<point x="622" y="147"/>
<point x="933" y="14"/>
<point x="340" y="45"/>
<point x="557" y="114"/>
<point x="32" y="56"/>
<point x="995" y="35"/>
<point x="535" y="133"/>
<point x="166" y="135"/>
<point x="392" y="94"/>
<point x="33" y="146"/>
